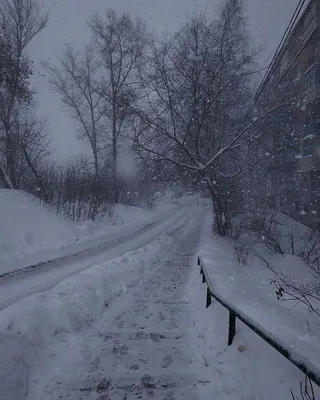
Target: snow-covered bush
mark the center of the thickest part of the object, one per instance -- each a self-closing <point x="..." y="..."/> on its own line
<point x="305" y="290"/>
<point x="259" y="228"/>
<point x="285" y="247"/>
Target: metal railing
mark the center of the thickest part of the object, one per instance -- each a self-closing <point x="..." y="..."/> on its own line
<point x="299" y="361"/>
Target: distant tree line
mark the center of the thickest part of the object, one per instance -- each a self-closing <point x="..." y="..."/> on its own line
<point x="174" y="111"/>
<point x="178" y="104"/>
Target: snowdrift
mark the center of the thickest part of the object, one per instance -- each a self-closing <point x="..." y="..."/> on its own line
<point x="27" y="227"/>
<point x="31" y="234"/>
<point x="249" y="287"/>
<point x="249" y="368"/>
<point x="29" y="328"/>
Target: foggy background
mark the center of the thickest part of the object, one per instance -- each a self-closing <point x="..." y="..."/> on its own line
<point x="267" y="20"/>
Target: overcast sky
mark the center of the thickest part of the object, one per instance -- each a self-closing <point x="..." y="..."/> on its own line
<point x="267" y="20"/>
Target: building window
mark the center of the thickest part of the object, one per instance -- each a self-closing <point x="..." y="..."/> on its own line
<point x="284" y="60"/>
<point x="315" y="181"/>
<point x="309" y="78"/>
<point x="309" y="16"/>
<point x="317" y="74"/>
<point x="311" y="60"/>
<point x="306" y="147"/>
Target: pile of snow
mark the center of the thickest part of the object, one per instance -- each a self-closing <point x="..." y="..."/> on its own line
<point x="30" y="326"/>
<point x="250" y="368"/>
<point x="27" y="227"/>
<point x="31" y="234"/>
<point x="122" y="214"/>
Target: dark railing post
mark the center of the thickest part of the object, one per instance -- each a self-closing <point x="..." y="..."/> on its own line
<point x="232" y="327"/>
<point x="208" y="301"/>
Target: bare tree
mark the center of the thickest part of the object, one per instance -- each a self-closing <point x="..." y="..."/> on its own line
<point x="121" y="43"/>
<point x="34" y="150"/>
<point x="74" y="190"/>
<point x="13" y="87"/>
<point x="198" y="91"/>
<point x="78" y="81"/>
<point x="20" y="22"/>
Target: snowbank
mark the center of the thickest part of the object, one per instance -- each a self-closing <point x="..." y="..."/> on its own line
<point x="250" y="288"/>
<point x="30" y="326"/>
<point x="31" y="234"/>
<point x="26" y="226"/>
<point x="250" y="368"/>
<point x="121" y="215"/>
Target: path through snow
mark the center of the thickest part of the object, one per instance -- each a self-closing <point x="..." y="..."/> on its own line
<point x="142" y="347"/>
<point x="44" y="277"/>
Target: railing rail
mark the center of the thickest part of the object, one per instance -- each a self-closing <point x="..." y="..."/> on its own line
<point x="299" y="361"/>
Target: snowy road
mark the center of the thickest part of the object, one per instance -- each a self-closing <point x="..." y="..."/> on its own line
<point x="143" y="345"/>
<point x="34" y="280"/>
<point x="136" y="327"/>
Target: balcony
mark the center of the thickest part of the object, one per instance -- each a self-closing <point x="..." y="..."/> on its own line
<point x="310" y="158"/>
<point x="306" y="163"/>
<point x="311" y="19"/>
<point x="311" y="95"/>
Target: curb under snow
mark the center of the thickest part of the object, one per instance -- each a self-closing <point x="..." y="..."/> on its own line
<point x="30" y="326"/>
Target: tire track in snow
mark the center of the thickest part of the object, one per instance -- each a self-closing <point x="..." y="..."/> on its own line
<point x="80" y="254"/>
<point x="36" y="280"/>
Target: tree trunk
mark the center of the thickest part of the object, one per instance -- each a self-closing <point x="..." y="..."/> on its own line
<point x="96" y="164"/>
<point x="5" y="178"/>
<point x="114" y="155"/>
<point x="10" y="150"/>
<point x="35" y="172"/>
<point x="222" y="222"/>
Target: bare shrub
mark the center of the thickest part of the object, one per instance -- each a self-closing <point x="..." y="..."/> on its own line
<point x="259" y="227"/>
<point x="74" y="190"/>
<point x="304" y="292"/>
<point x="244" y="253"/>
<point x="266" y="225"/>
<point x="310" y="249"/>
<point x="306" y="391"/>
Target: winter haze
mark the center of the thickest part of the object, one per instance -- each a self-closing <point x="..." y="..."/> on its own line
<point x="267" y="18"/>
<point x="162" y="232"/>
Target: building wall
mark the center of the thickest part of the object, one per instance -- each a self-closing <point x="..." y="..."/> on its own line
<point x="292" y="133"/>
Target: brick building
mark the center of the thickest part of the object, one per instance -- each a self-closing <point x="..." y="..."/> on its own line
<point x="290" y="173"/>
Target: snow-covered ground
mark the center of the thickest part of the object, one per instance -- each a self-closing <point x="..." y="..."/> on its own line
<point x="27" y="227"/>
<point x="82" y="340"/>
<point x="31" y="234"/>
<point x="43" y="277"/>
<point x="252" y="369"/>
<point x="35" y="329"/>
<point x="138" y="228"/>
